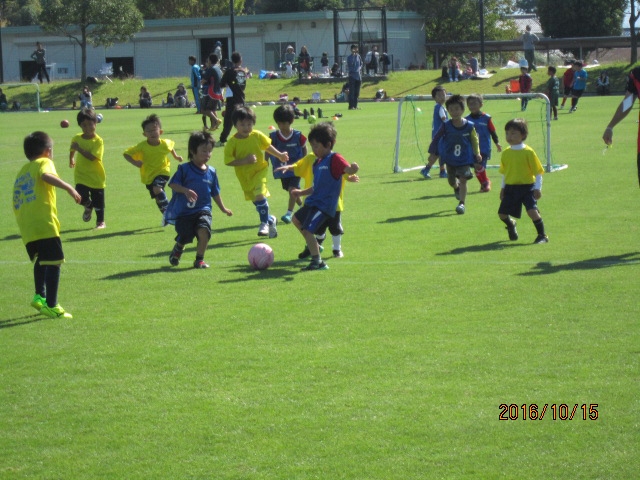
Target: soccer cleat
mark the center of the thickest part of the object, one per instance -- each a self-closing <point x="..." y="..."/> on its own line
<point x="200" y="264"/>
<point x="485" y="187"/>
<point x="338" y="254"/>
<point x="513" y="233"/>
<point x="571" y="110"/>
<point x="286" y="218"/>
<point x="541" y="239"/>
<point x="263" y="231"/>
<point x="315" y="266"/>
<point x="86" y="216"/>
<point x="55" y="312"/>
<point x="38" y="302"/>
<point x="273" y="231"/>
<point x="174" y="258"/>
<point x="100" y="226"/>
<point x="460" y="209"/>
<point x="425" y="172"/>
<point x="443" y="173"/>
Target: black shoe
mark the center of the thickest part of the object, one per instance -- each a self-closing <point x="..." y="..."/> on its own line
<point x="541" y="239"/>
<point x="315" y="266"/>
<point x="174" y="258"/>
<point x="513" y="233"/>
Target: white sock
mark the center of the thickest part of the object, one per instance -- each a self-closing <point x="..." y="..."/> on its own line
<point x="336" y="241"/>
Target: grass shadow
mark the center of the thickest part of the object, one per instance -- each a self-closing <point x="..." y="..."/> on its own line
<point x="11" y="237"/>
<point x="124" y="233"/>
<point x="412" y="218"/>
<point x="280" y="271"/>
<point x="547" y="268"/>
<point x="20" y="321"/>
<point x="487" y="247"/>
<point x="143" y="272"/>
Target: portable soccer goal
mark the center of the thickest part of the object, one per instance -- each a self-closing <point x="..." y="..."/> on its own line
<point x="22" y="96"/>
<point x="413" y="134"/>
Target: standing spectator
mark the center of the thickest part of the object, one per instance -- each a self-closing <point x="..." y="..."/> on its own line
<point x="41" y="62"/>
<point x="567" y="81"/>
<point x="324" y="62"/>
<point x="304" y="62"/>
<point x="354" y="68"/>
<point x="526" y="82"/>
<point x="217" y="51"/>
<point x="602" y="84"/>
<point x="528" y="45"/>
<point x="145" y="98"/>
<point x="195" y="80"/>
<point x="4" y="104"/>
<point x="371" y="60"/>
<point x="579" y="84"/>
<point x="385" y="61"/>
<point x="235" y="79"/>
<point x="85" y="98"/>
<point x="631" y="93"/>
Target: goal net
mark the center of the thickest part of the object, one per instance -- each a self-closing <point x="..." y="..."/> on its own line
<point x="22" y="96"/>
<point x="415" y="116"/>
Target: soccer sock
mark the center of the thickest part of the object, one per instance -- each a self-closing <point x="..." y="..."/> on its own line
<point x="262" y="207"/>
<point x="199" y="258"/>
<point x="315" y="259"/>
<point x="52" y="280"/>
<point x="99" y="215"/>
<point x="508" y="222"/>
<point x="39" y="275"/>
<point x="337" y="240"/>
<point x="162" y="201"/>
<point x="177" y="248"/>
<point x="320" y="238"/>
<point x="539" y="224"/>
<point x="481" y="175"/>
<point x="204" y="121"/>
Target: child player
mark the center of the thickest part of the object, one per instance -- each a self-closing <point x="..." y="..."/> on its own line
<point x="439" y="95"/>
<point x="522" y="180"/>
<point x="526" y="82"/>
<point x="34" y="205"/>
<point x="553" y="90"/>
<point x="578" y="86"/>
<point x="486" y="131"/>
<point x="567" y="81"/>
<point x="322" y="197"/>
<point x="151" y="157"/>
<point x="194" y="185"/>
<point x="245" y="152"/>
<point x="286" y="139"/>
<point x="85" y="155"/>
<point x="456" y="143"/>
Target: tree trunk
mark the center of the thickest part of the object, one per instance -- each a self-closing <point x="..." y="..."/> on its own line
<point x="632" y="31"/>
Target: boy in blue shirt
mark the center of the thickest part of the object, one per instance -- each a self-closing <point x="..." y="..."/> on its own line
<point x="578" y="86"/>
<point x="286" y="139"/>
<point x="194" y="185"/>
<point x="486" y="131"/>
<point x="322" y="197"/>
<point x="456" y="143"/>
<point x="439" y="95"/>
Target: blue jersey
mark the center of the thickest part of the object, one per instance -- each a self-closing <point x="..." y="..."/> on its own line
<point x="203" y="182"/>
<point x="195" y="76"/>
<point x="453" y="144"/>
<point x="484" y="128"/>
<point x="293" y="145"/>
<point x="327" y="183"/>
<point x="580" y="80"/>
<point x="438" y="111"/>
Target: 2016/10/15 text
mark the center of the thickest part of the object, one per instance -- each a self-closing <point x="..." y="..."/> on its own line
<point x="554" y="411"/>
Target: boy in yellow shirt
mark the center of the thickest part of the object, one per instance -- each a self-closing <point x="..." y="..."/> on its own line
<point x="85" y="155"/>
<point x="152" y="158"/>
<point x="34" y="205"/>
<point x="245" y="152"/>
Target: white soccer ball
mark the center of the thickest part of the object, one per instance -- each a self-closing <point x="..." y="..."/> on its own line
<point x="260" y="256"/>
<point x="99" y="117"/>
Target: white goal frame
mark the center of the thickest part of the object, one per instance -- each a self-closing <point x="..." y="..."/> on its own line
<point x="549" y="167"/>
<point x="25" y="85"/>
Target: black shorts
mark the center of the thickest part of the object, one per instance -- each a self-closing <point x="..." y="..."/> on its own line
<point x="160" y="181"/>
<point x="209" y="104"/>
<point x="95" y="196"/>
<point x="290" y="182"/>
<point x="567" y="90"/>
<point x="515" y="196"/>
<point x="333" y="224"/>
<point x="47" y="251"/>
<point x="311" y="219"/>
<point x="187" y="226"/>
<point x="576" y="93"/>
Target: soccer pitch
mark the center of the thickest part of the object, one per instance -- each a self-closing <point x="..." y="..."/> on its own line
<point x="392" y="364"/>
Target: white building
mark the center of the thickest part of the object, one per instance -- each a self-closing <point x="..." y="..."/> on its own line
<point x="162" y="47"/>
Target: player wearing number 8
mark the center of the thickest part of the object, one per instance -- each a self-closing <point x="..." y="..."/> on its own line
<point x="456" y="143"/>
<point x="194" y="185"/>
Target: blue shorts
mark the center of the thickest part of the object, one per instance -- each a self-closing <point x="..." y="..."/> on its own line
<point x="311" y="219"/>
<point x="515" y="196"/>
<point x="47" y="251"/>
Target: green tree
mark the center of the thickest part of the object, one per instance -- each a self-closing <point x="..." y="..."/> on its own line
<point x="19" y="12"/>
<point x="581" y="18"/>
<point x="633" y="17"/>
<point x="187" y="8"/>
<point x="526" y="6"/>
<point x="95" y="22"/>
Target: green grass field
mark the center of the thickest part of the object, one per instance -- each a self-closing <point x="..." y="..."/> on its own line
<point x="392" y="364"/>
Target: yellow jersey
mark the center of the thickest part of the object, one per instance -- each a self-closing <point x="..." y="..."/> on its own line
<point x="252" y="177"/>
<point x="155" y="159"/>
<point x="90" y="172"/>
